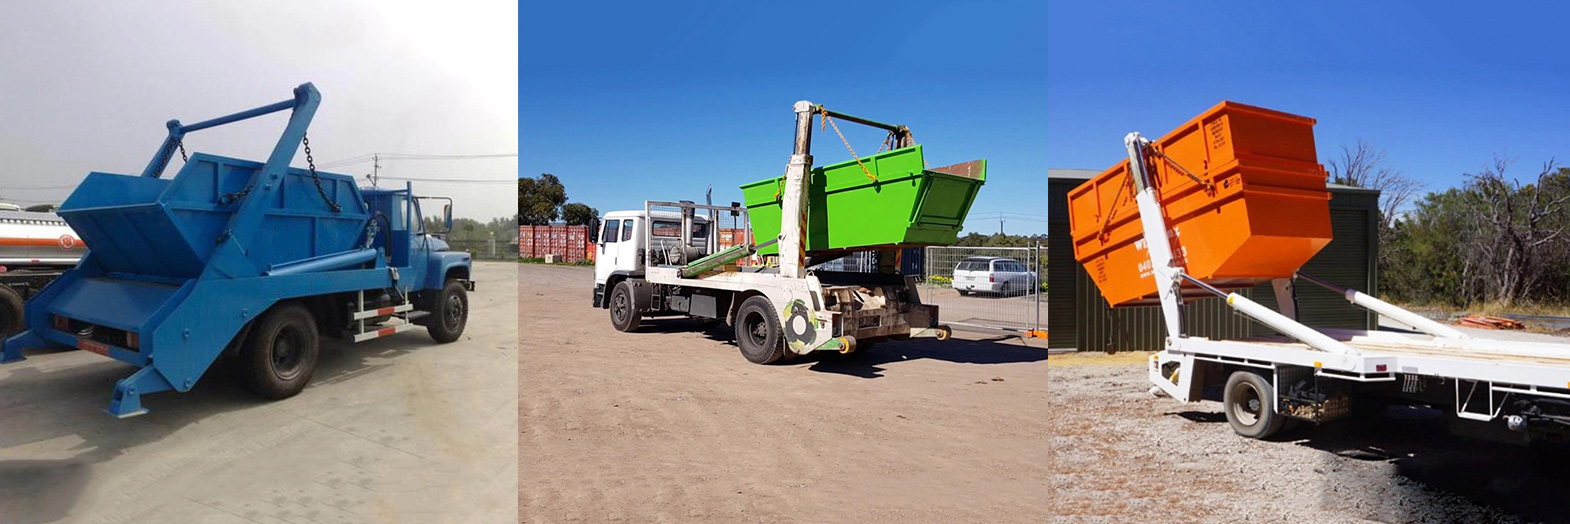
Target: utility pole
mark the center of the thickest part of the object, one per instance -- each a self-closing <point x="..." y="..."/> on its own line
<point x="376" y="168"/>
<point x="1000" y="223"/>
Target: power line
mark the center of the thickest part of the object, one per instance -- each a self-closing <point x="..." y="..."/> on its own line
<point x="371" y="157"/>
<point x="452" y="180"/>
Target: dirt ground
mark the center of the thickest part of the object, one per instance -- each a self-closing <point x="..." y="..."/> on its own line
<point x="671" y="424"/>
<point x="1120" y="452"/>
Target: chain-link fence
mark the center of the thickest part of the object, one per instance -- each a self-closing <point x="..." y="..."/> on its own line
<point x="487" y="249"/>
<point x="986" y="287"/>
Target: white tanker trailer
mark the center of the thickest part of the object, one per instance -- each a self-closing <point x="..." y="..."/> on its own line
<point x="35" y="248"/>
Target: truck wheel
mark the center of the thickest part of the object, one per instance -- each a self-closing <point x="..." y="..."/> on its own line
<point x="1250" y="408"/>
<point x="624" y="308"/>
<point x="758" y="331"/>
<point x="450" y="313"/>
<point x="11" y="312"/>
<point x="280" y="354"/>
<point x="963" y="293"/>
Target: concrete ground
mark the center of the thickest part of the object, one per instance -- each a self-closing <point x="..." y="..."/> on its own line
<point x="398" y="429"/>
<point x="671" y="424"/>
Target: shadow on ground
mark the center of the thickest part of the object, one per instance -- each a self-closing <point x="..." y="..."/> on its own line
<point x="69" y="401"/>
<point x="1481" y="462"/>
<point x="868" y="362"/>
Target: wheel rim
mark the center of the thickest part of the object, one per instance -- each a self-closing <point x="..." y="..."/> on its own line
<point x="288" y="353"/>
<point x="453" y="313"/>
<point x="756" y="329"/>
<point x="1246" y="405"/>
<point x="619" y="308"/>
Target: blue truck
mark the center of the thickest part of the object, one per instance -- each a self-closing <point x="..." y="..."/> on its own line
<point x="254" y="262"/>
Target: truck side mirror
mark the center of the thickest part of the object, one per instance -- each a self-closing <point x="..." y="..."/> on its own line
<point x="447" y="216"/>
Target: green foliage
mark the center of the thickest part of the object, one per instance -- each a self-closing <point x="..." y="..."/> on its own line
<point x="577" y="214"/>
<point x="540" y="199"/>
<point x="1493" y="241"/>
<point x="505" y="229"/>
<point x="1000" y="240"/>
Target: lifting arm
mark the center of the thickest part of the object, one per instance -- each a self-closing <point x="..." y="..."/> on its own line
<point x="793" y="200"/>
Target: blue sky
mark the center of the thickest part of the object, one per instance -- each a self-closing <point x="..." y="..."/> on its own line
<point x="1442" y="87"/>
<point x="658" y="103"/>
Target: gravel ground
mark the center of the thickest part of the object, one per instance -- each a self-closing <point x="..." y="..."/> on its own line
<point x="1121" y="453"/>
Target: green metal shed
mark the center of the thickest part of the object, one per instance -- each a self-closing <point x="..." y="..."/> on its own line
<point x="1080" y="319"/>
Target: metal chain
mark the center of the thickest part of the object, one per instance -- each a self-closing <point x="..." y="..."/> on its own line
<point x="1128" y="183"/>
<point x="1208" y="186"/>
<point x="309" y="161"/>
<point x="830" y="121"/>
<point x="181" y="144"/>
<point x="235" y="197"/>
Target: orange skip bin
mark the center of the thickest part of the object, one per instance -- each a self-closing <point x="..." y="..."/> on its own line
<point x="1255" y="207"/>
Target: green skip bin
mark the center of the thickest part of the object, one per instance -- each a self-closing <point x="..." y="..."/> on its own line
<point x="907" y="206"/>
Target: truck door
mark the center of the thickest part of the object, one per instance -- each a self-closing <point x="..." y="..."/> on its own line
<point x="421" y="248"/>
<point x="605" y="254"/>
<point x="628" y="246"/>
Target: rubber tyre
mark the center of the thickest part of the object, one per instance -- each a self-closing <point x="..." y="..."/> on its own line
<point x="758" y="332"/>
<point x="1248" y="406"/>
<point x="279" y="356"/>
<point x="964" y="293"/>
<point x="449" y="313"/>
<point x="12" y="319"/>
<point x="624" y="310"/>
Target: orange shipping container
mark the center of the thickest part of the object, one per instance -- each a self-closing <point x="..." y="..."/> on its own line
<point x="1258" y="209"/>
<point x="571" y="243"/>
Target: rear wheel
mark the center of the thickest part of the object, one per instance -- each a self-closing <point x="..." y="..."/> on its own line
<point x="624" y="310"/>
<point x="11" y="312"/>
<point x="758" y="331"/>
<point x="451" y="312"/>
<point x="1250" y="408"/>
<point x="279" y="355"/>
<point x="963" y="293"/>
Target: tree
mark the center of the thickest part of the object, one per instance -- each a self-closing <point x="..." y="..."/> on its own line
<point x="1516" y="233"/>
<point x="577" y="214"/>
<point x="540" y="199"/>
<point x="1360" y="166"/>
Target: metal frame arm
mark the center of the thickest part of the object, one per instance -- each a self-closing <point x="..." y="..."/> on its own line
<point x="305" y="100"/>
<point x="901" y="133"/>
<point x="1387" y="309"/>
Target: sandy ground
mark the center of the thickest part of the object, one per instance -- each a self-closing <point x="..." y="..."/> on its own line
<point x="1121" y="452"/>
<point x="392" y="430"/>
<point x="671" y="424"/>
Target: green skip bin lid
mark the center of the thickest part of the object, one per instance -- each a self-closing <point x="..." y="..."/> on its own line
<point x="907" y="206"/>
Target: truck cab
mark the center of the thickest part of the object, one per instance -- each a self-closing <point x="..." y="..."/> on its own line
<point x="624" y="236"/>
<point x="399" y="229"/>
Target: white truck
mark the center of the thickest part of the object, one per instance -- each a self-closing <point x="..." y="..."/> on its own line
<point x="665" y="260"/>
<point x="1317" y="375"/>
